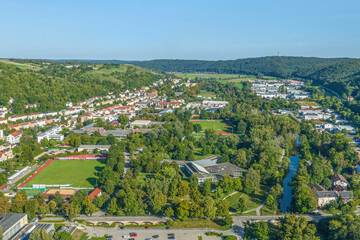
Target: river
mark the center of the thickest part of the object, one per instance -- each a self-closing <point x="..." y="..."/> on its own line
<point x="286" y="199"/>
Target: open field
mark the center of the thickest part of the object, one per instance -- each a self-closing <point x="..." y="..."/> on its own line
<point x="309" y="103"/>
<point x="22" y="65"/>
<point x="217" y="125"/>
<point x="251" y="202"/>
<point x="80" y="173"/>
<point x="209" y="75"/>
<point x="105" y="73"/>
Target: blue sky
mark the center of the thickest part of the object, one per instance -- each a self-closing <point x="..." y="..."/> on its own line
<point x="196" y="29"/>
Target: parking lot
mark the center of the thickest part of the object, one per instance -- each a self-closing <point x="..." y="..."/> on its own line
<point x="142" y="234"/>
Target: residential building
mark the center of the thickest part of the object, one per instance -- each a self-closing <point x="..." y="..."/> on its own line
<point x="325" y="197"/>
<point x="339" y="180"/>
<point x="14" y="137"/>
<point x="53" y="133"/>
<point x="95" y="192"/>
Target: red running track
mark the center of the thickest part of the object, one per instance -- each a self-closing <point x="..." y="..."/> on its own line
<point x="21" y="185"/>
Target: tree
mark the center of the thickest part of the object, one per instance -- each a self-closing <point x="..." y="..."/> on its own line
<point x="197" y="128"/>
<point x="222" y="208"/>
<point x="123" y="120"/>
<point x="184" y="189"/>
<point x="294" y="228"/>
<point x="209" y="207"/>
<point x="57" y="199"/>
<point x="271" y="203"/>
<point x="252" y="182"/>
<point x="40" y="234"/>
<point x="206" y="187"/>
<point x="228" y="220"/>
<point x="241" y="204"/>
<point x="183" y="210"/>
<point x="344" y="226"/>
<point x="109" y="186"/>
<point x="90" y="209"/>
<point x="62" y="235"/>
<point x="113" y="207"/>
<point x="158" y="202"/>
<point x="260" y="231"/>
<point x="169" y="212"/>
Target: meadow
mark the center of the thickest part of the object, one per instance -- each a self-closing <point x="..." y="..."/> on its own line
<point x="79" y="173"/>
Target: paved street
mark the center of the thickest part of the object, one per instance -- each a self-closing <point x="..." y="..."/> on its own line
<point x="180" y="234"/>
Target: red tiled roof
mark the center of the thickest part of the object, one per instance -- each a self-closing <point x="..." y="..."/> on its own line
<point x="94" y="193"/>
<point x="15" y="134"/>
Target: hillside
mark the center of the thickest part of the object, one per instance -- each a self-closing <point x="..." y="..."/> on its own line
<point x="340" y="74"/>
<point x="53" y="84"/>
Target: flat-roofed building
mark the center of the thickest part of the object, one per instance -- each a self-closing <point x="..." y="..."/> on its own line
<point x="91" y="148"/>
<point x="11" y="223"/>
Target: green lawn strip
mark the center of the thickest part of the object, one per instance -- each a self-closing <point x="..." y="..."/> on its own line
<point x="202" y="223"/>
<point x="251" y="202"/>
<point x="80" y="173"/>
<point x="266" y="211"/>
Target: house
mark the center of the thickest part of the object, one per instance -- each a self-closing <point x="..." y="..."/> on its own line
<point x="3" y="121"/>
<point x="350" y="98"/>
<point x="11" y="223"/>
<point x="14" y="137"/>
<point x="94" y="193"/>
<point x="339" y="180"/>
<point x="325" y="197"/>
<point x="2" y="157"/>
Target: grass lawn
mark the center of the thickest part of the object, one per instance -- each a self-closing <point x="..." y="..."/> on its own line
<point x="216" y="224"/>
<point x="213" y="124"/>
<point x="22" y="65"/>
<point x="251" y="202"/>
<point x="198" y="155"/>
<point x="207" y="75"/>
<point x="80" y="173"/>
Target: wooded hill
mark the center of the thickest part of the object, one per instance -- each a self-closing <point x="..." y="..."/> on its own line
<point x="340" y="74"/>
<point x="52" y="84"/>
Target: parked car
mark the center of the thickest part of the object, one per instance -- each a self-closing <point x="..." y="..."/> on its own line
<point x="155" y="236"/>
<point x="148" y="239"/>
<point x="173" y="237"/>
<point x="125" y="236"/>
<point x="171" y="234"/>
<point x="122" y="227"/>
<point x="147" y="227"/>
<point x="132" y="234"/>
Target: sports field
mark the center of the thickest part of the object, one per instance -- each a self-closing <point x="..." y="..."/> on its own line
<point x="79" y="173"/>
<point x="218" y="125"/>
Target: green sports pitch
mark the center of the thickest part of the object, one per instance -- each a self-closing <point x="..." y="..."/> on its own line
<point x="79" y="173"/>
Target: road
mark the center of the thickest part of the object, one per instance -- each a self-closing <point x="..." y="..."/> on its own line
<point x="180" y="234"/>
<point x="127" y="162"/>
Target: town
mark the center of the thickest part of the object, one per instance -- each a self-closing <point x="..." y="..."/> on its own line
<point x="87" y="131"/>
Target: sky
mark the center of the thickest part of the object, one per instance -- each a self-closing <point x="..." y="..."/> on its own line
<point x="173" y="29"/>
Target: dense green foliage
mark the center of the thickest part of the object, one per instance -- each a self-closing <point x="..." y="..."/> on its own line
<point x="55" y="84"/>
<point x="339" y="74"/>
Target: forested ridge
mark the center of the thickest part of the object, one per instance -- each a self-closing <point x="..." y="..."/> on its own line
<point x="54" y="84"/>
<point x="339" y="74"/>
